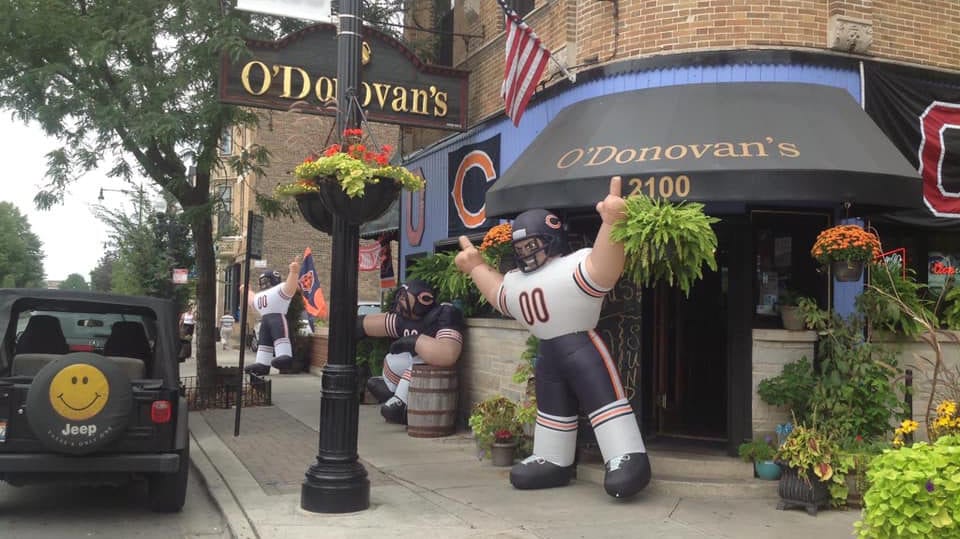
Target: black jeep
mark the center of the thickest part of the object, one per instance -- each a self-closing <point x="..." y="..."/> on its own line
<point x="89" y="391"/>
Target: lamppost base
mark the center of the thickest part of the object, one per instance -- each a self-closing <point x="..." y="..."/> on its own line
<point x="326" y="490"/>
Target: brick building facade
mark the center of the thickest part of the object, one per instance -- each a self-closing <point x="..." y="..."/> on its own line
<point x="698" y="378"/>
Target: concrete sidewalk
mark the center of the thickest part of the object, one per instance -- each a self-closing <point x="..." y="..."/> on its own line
<point x="438" y="487"/>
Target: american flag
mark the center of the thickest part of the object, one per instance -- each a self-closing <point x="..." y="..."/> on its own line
<point x="526" y="58"/>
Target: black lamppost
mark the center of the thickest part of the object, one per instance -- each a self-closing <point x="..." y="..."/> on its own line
<point x="337" y="482"/>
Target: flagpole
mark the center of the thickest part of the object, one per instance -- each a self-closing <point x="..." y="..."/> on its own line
<point x="572" y="77"/>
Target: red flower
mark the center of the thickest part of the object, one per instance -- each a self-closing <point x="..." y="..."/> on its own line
<point x="503" y="435"/>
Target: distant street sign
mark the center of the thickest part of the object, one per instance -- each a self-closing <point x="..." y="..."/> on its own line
<point x="179" y="276"/>
<point x="259" y="264"/>
<point x="256" y="236"/>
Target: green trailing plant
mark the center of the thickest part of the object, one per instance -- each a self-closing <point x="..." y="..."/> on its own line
<point x="757" y="450"/>
<point x="496" y="413"/>
<point x="815" y="454"/>
<point x="914" y="492"/>
<point x="666" y="242"/>
<point x="789" y="298"/>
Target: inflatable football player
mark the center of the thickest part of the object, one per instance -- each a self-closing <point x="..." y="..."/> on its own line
<point x="558" y="298"/>
<point x="273" y="345"/>
<point x="425" y="332"/>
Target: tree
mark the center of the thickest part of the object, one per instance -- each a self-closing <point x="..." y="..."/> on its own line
<point x="102" y="275"/>
<point x="134" y="83"/>
<point x="21" y="255"/>
<point x="74" y="281"/>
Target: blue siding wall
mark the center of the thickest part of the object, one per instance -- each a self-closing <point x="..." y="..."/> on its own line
<point x="514" y="140"/>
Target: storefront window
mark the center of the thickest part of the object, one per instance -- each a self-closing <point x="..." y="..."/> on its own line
<point x="784" y="267"/>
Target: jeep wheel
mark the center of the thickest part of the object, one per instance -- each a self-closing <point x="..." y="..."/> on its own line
<point x="168" y="491"/>
<point x="79" y="403"/>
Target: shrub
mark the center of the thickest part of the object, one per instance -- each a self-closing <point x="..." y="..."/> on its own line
<point x="914" y="492"/>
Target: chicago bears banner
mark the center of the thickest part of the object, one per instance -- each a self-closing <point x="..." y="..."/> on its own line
<point x="919" y="110"/>
<point x="472" y="170"/>
<point x="313" y="301"/>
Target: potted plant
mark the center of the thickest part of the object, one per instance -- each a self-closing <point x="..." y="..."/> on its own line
<point x="845" y="249"/>
<point x="666" y="242"/>
<point x="503" y="448"/>
<point x="351" y="178"/>
<point x="814" y="470"/>
<point x="497" y="247"/>
<point x="493" y="419"/>
<point x="761" y="453"/>
<point x="789" y="310"/>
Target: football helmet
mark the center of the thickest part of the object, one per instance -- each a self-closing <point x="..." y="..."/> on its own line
<point x="269" y="279"/>
<point x="415" y="299"/>
<point x="536" y="232"/>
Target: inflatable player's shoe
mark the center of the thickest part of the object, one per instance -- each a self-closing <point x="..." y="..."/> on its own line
<point x="626" y="475"/>
<point x="395" y="412"/>
<point x="378" y="388"/>
<point x="535" y="472"/>
<point x="257" y="368"/>
<point x="282" y="363"/>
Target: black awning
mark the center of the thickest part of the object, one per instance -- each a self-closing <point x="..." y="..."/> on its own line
<point x="740" y="142"/>
<point x="389" y="221"/>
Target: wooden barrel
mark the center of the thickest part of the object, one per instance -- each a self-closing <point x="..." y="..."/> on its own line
<point x="432" y="401"/>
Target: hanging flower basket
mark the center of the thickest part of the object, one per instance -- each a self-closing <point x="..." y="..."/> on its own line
<point x="845" y="249"/>
<point x="358" y="210"/>
<point x="352" y="179"/>
<point x="846" y="270"/>
<point x="314" y="212"/>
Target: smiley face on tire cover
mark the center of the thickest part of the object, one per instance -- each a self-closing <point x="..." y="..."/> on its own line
<point x="79" y="391"/>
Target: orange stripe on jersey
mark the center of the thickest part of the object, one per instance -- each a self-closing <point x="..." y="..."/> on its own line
<point x="608" y="362"/>
<point x="583" y="284"/>
<point x="390" y="325"/>
<point x="407" y="374"/>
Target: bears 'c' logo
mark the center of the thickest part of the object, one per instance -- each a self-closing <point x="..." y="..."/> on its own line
<point x="478" y="159"/>
<point x="938" y="117"/>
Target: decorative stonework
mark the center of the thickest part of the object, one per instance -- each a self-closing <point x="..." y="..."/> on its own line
<point x="848" y="34"/>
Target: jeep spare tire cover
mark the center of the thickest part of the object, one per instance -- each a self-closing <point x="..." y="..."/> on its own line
<point x="79" y="403"/>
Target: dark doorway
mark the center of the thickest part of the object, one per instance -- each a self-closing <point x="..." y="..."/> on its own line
<point x="686" y="347"/>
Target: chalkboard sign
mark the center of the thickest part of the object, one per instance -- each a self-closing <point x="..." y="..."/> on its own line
<point x="256" y="236"/>
<point x="621" y="328"/>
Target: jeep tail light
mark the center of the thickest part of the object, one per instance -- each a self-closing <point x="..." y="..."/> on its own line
<point x="160" y="412"/>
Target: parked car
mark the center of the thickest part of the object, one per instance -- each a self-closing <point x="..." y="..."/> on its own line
<point x="368" y="307"/>
<point x="89" y="391"/>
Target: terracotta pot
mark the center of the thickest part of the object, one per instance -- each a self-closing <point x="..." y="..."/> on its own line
<point x="790" y="316"/>
<point x="846" y="270"/>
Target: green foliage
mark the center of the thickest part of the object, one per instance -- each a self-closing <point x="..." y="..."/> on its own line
<point x="527" y="359"/>
<point x="914" y="492"/>
<point x="371" y="351"/>
<point x="666" y="242"/>
<point x="879" y="300"/>
<point x="950" y="313"/>
<point x="791" y="388"/>
<point x="491" y="415"/>
<point x="756" y="451"/>
<point x="809" y="448"/>
<point x="789" y="297"/>
<point x="100" y="276"/>
<point x="855" y="392"/>
<point x="21" y="253"/>
<point x="74" y="281"/>
<point x="439" y="270"/>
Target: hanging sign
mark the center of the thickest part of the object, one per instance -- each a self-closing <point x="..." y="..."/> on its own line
<point x="299" y="72"/>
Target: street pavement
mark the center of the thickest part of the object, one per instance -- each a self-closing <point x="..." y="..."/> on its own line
<point x="437" y="487"/>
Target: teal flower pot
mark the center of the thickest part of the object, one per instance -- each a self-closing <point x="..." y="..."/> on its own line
<point x="767" y="469"/>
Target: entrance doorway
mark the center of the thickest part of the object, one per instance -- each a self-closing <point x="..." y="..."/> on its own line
<point x="687" y="354"/>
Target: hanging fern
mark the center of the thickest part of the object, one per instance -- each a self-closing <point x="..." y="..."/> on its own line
<point x="666" y="242"/>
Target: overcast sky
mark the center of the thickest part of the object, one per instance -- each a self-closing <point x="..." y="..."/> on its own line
<point x="72" y="236"/>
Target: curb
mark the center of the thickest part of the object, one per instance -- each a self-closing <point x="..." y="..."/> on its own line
<point x="237" y="522"/>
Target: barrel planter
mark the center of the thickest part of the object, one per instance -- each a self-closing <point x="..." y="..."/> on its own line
<point x="318" y="350"/>
<point x="432" y="401"/>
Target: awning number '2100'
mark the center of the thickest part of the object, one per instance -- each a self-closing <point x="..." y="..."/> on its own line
<point x="662" y="187"/>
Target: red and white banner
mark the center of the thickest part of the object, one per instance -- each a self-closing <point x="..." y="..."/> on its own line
<point x="369" y="259"/>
